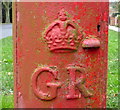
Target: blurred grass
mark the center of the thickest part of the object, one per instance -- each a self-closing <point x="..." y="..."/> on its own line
<point x="7" y="101"/>
<point x="7" y="72"/>
<point x="112" y="90"/>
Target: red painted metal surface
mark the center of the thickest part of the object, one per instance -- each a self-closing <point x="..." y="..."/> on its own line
<point x="91" y="43"/>
<point x="60" y="54"/>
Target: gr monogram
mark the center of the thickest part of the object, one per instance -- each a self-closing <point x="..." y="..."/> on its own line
<point x="74" y="83"/>
<point x="63" y="35"/>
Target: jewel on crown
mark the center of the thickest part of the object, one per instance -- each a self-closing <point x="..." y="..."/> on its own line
<point x="62" y="35"/>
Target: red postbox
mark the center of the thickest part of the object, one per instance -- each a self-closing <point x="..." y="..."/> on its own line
<point x="60" y="54"/>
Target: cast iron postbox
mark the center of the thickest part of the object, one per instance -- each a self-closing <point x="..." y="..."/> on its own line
<point x="60" y="55"/>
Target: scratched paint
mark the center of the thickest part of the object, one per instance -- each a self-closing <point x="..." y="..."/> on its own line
<point x="60" y="54"/>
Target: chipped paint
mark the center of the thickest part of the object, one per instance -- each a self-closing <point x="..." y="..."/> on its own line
<point x="47" y="79"/>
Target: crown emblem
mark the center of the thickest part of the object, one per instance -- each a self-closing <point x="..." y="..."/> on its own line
<point x="63" y="34"/>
